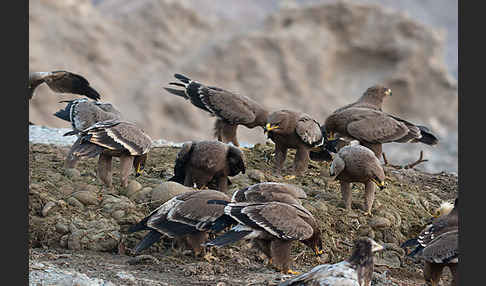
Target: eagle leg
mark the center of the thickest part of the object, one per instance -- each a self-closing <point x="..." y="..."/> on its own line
<point x="346" y="194"/>
<point x="126" y="163"/>
<point x="369" y="197"/>
<point x="104" y="170"/>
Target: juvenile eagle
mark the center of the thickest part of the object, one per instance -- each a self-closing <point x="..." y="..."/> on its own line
<point x="438" y="246"/>
<point x="113" y="138"/>
<point x="202" y="162"/>
<point x="186" y="217"/>
<point x="357" y="270"/>
<point x="230" y="109"/>
<point x="356" y="163"/>
<point x="274" y="225"/>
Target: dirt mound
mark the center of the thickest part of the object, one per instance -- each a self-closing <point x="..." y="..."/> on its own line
<point x="74" y="220"/>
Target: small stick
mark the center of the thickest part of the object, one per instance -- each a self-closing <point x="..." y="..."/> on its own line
<point x="420" y="160"/>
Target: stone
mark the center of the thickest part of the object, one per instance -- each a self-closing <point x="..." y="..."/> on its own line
<point x="379" y="222"/>
<point x="132" y="188"/>
<point x="166" y="191"/>
<point x="142" y="196"/>
<point x="86" y="197"/>
<point x="48" y="207"/>
<point x="72" y="173"/>
<point x="75" y="202"/>
<point x="256" y="175"/>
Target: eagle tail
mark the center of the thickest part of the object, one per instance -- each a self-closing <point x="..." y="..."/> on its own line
<point x="221" y="223"/>
<point x="178" y="92"/>
<point x="228" y="237"/>
<point x="427" y="137"/>
<point x="182" y="78"/>
<point x="142" y="225"/>
<point x="151" y="238"/>
<point x="65" y="114"/>
<point x="218" y="202"/>
<point x="321" y="155"/>
<point x="87" y="149"/>
<point x="72" y="132"/>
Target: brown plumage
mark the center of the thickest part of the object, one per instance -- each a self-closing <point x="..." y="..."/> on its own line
<point x="356" y="163"/>
<point x="365" y="121"/>
<point x="437" y="245"/>
<point x="83" y="113"/>
<point x="294" y="130"/>
<point x="114" y="138"/>
<point x="270" y="192"/>
<point x="230" y="109"/>
<point x="372" y="98"/>
<point x="62" y="82"/>
<point x="186" y="217"/>
<point x="205" y="161"/>
<point x="274" y="223"/>
<point x="357" y="270"/>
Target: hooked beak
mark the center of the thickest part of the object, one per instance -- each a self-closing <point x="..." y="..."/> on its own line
<point x="269" y="128"/>
<point x="318" y="252"/>
<point x="380" y="185"/>
<point x="330" y="136"/>
<point x="388" y="92"/>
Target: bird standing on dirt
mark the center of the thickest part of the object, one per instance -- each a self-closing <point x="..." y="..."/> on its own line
<point x="357" y="270"/>
<point x="113" y="138"/>
<point x="275" y="224"/>
<point x="294" y="130"/>
<point x="83" y="113"/>
<point x="356" y="163"/>
<point x="201" y="162"/>
<point x="270" y="192"/>
<point x="186" y="217"/>
<point x="230" y="109"/>
<point x="365" y="121"/>
<point x="437" y="245"/>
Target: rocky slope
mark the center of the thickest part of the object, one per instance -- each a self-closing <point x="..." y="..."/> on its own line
<point x="311" y="58"/>
<point x="77" y="232"/>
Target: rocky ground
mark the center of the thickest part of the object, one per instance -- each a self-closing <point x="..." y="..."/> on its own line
<point x="77" y="231"/>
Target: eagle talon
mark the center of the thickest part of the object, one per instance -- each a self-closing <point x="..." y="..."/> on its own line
<point x="289" y="177"/>
<point x="290" y="271"/>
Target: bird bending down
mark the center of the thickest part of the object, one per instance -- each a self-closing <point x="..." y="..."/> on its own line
<point x="294" y="130"/>
<point x="229" y="108"/>
<point x="357" y="270"/>
<point x="437" y="245"/>
<point x="365" y="121"/>
<point x="186" y="217"/>
<point x="83" y="113"/>
<point x="62" y="82"/>
<point x="202" y="162"/>
<point x="275" y="225"/>
<point x="113" y="138"/>
<point x="356" y="163"/>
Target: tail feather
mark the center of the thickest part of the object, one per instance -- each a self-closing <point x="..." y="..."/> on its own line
<point x="65" y="114"/>
<point x="177" y="92"/>
<point x="218" y="202"/>
<point x="410" y="242"/>
<point x="228" y="237"/>
<point x="141" y="225"/>
<point x="221" y="223"/>
<point x="87" y="149"/>
<point x="427" y="137"/>
<point x="182" y="78"/>
<point x="151" y="238"/>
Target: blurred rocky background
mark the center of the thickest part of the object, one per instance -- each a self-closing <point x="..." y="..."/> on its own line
<point x="312" y="56"/>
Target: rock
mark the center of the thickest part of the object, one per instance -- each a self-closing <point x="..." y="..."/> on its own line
<point x="72" y="173"/>
<point x="86" y="197"/>
<point x="133" y="187"/>
<point x="62" y="228"/>
<point x="366" y="231"/>
<point x="98" y="234"/>
<point x="388" y="258"/>
<point x="379" y="222"/>
<point x="142" y="196"/>
<point x="166" y="191"/>
<point x="320" y="205"/>
<point x="75" y="202"/>
<point x="66" y="190"/>
<point x="256" y="175"/>
<point x="118" y="214"/>
<point x="49" y="206"/>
